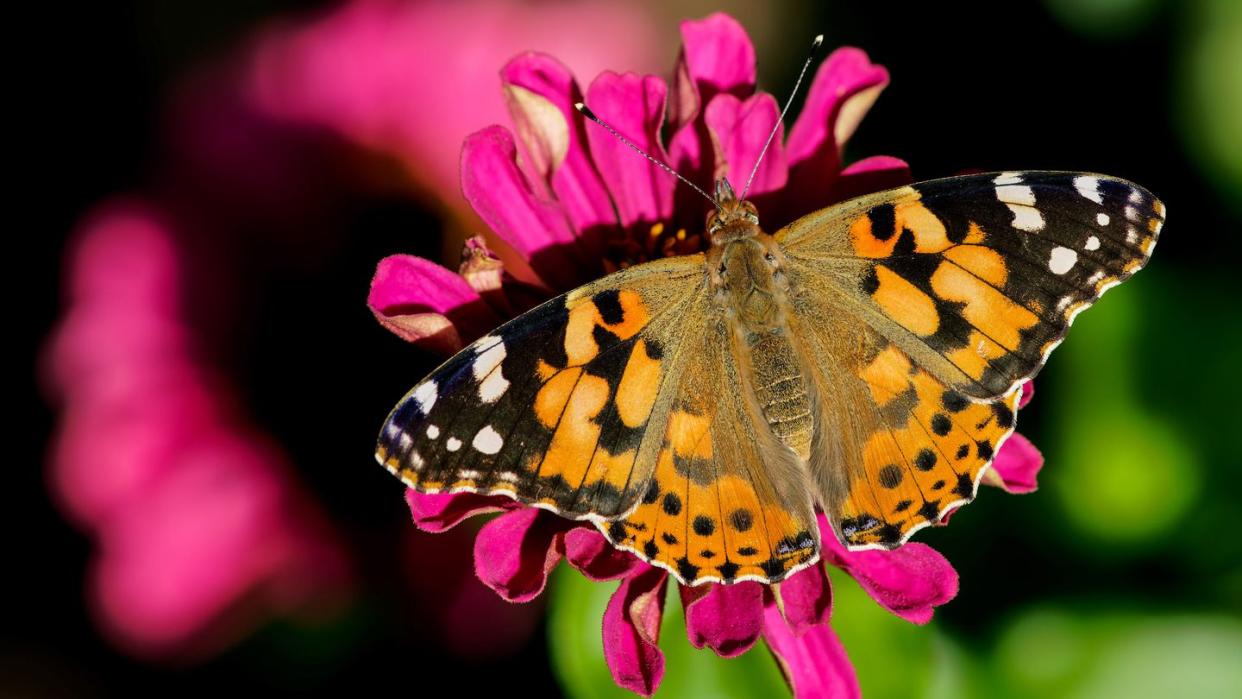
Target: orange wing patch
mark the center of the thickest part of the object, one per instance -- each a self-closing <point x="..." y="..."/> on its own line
<point x="707" y="523"/>
<point x="924" y="453"/>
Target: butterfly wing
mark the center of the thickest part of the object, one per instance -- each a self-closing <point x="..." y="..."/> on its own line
<point x="616" y="403"/>
<point x="952" y="292"/>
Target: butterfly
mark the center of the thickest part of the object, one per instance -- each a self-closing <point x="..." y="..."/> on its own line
<point x="864" y="361"/>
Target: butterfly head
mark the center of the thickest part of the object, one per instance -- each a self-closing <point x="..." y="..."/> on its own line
<point x="733" y="219"/>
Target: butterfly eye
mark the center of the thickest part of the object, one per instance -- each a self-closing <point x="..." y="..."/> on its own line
<point x="721" y="270"/>
<point x="770" y="258"/>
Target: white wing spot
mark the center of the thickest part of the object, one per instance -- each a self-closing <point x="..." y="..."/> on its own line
<point x="1131" y="235"/>
<point x="1093" y="243"/>
<point x="1089" y="187"/>
<point x="1008" y="178"/>
<point x="1016" y="194"/>
<point x="432" y="432"/>
<point x="487" y="370"/>
<point x="1062" y="260"/>
<point x="1132" y="214"/>
<point x="416" y="460"/>
<point x="469" y="475"/>
<point x="488" y="440"/>
<point x="1135" y="196"/>
<point x="453" y="444"/>
<point x="509" y="476"/>
<point x="1102" y="219"/>
<point x="1021" y="201"/>
<point x="426" y="396"/>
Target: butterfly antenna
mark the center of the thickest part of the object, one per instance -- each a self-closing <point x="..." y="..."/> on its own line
<point x="586" y="112"/>
<point x="815" y="44"/>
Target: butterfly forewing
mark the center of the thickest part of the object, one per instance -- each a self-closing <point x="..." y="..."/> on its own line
<point x="923" y="308"/>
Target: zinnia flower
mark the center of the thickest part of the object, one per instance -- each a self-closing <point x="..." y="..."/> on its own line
<point x="193" y="511"/>
<point x="571" y="202"/>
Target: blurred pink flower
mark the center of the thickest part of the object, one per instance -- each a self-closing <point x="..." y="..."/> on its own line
<point x="194" y="514"/>
<point x="412" y="79"/>
<point x="574" y="203"/>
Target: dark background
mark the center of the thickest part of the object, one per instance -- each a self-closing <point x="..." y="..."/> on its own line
<point x="976" y="85"/>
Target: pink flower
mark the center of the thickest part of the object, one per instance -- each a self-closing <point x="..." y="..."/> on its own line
<point x="571" y="202"/>
<point x="411" y="79"/>
<point x="193" y="514"/>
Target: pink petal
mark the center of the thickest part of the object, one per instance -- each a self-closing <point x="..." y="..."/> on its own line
<point x="500" y="194"/>
<point x="1017" y="464"/>
<point x="726" y="618"/>
<point x="805" y="599"/>
<point x="1028" y="392"/>
<point x="634" y="106"/>
<point x="814" y="663"/>
<point x="541" y="93"/>
<point x="909" y="581"/>
<point x="632" y="631"/>
<point x="423" y="302"/>
<point x="874" y="174"/>
<point x="844" y="88"/>
<point x="443" y="511"/>
<point x="514" y="553"/>
<point x="740" y="129"/>
<point x="588" y="551"/>
<point x="716" y="58"/>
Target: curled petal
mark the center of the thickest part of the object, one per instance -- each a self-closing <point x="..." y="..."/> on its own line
<point x="716" y="57"/>
<point x="514" y="553"/>
<point x="909" y="581"/>
<point x="541" y="92"/>
<point x="1016" y="466"/>
<point x="1028" y="392"/>
<point x="844" y="88"/>
<point x="588" y="551"/>
<point x="500" y="194"/>
<point x="423" y="302"/>
<point x="442" y="511"/>
<point x="739" y="129"/>
<point x="634" y="106"/>
<point x="805" y="599"/>
<point x="632" y="631"/>
<point x="814" y="663"/>
<point x="726" y="618"/>
<point x="874" y="174"/>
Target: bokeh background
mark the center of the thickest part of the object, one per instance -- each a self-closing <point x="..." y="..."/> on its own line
<point x="229" y="173"/>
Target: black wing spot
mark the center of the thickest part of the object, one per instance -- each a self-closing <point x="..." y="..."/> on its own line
<point x="747" y="551"/>
<point x="1004" y="416"/>
<point x="926" y="460"/>
<point x="669" y="539"/>
<point x="930" y="511"/>
<point x="902" y="506"/>
<point x="650" y="549"/>
<point x="608" y="302"/>
<point x="704" y="526"/>
<point x="985" y="450"/>
<point x="965" y="487"/>
<point x="883" y="221"/>
<point x="891" y="476"/>
<point x="941" y="424"/>
<point x="742" y="520"/>
<point x="671" y="504"/>
<point x="954" y="402"/>
<point x="962" y="452"/>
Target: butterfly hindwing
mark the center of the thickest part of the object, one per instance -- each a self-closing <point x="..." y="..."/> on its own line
<point x="726" y="502"/>
<point x="951" y="293"/>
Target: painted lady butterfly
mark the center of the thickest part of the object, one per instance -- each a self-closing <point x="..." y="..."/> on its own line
<point x="864" y="360"/>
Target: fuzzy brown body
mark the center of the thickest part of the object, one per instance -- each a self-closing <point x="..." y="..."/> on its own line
<point x="751" y="291"/>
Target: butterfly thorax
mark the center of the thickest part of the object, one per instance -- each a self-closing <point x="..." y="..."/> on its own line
<point x="745" y="268"/>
